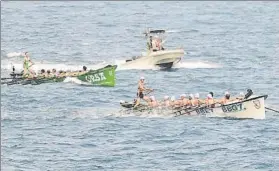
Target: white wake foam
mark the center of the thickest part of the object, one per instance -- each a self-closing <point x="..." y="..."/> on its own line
<point x="184" y="64"/>
<point x="7" y="65"/>
<point x="196" y="64"/>
<point x="15" y="54"/>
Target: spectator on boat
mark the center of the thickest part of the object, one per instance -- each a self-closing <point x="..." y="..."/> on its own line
<point x="141" y="90"/>
<point x="226" y="99"/>
<point x="150" y="43"/>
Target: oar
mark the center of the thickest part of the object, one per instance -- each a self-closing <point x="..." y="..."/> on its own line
<point x="6" y="78"/>
<point x="193" y="109"/>
<point x="272" y="109"/>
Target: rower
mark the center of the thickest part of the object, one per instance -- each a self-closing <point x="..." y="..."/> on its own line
<point x="191" y="100"/>
<point x="48" y="73"/>
<point x="196" y="101"/>
<point x="211" y="94"/>
<point x="174" y="103"/>
<point x="166" y="101"/>
<point x="42" y="73"/>
<point x="183" y="101"/>
<point x="84" y="70"/>
<point x="27" y="63"/>
<point x="226" y="99"/>
<point x="54" y="72"/>
<point x="153" y="102"/>
<point x="60" y="73"/>
<point x="141" y="89"/>
<point x="210" y="101"/>
<point x="241" y="96"/>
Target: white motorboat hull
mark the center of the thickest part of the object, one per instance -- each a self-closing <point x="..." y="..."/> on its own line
<point x="252" y="108"/>
<point x="163" y="58"/>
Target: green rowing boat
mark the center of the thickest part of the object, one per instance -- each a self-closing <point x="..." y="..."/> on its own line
<point x="104" y="76"/>
<point x="100" y="77"/>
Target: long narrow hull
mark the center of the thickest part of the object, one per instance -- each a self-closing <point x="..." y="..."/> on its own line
<point x="164" y="58"/>
<point x="101" y="77"/>
<point x="252" y="108"/>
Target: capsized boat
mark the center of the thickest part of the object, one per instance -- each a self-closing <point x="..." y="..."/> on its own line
<point x="156" y="54"/>
<point x="101" y="77"/>
<point x="251" y="108"/>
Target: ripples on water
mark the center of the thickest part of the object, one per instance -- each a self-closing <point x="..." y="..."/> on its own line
<point x="230" y="46"/>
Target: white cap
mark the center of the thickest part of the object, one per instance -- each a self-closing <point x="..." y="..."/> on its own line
<point x="166" y="97"/>
<point x="142" y="78"/>
<point x="152" y="98"/>
<point x="241" y="94"/>
<point x="209" y="96"/>
<point x="197" y="95"/>
<point x="227" y="93"/>
<point x="172" y="98"/>
<point x="191" y="95"/>
<point x="183" y="95"/>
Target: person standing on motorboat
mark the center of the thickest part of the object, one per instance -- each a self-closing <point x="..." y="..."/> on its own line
<point x="150" y="43"/>
<point x="141" y="89"/>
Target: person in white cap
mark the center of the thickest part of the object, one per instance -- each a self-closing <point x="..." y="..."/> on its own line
<point x="226" y="98"/>
<point x="173" y="102"/>
<point x="240" y="97"/>
<point x="153" y="102"/>
<point x="141" y="89"/>
<point x="191" y="100"/>
<point x="210" y="101"/>
<point x="186" y="102"/>
<point x="196" y="101"/>
<point x="166" y="101"/>
<point x="182" y="100"/>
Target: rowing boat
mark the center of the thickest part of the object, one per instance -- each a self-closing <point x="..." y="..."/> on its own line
<point x="101" y="77"/>
<point x="251" y="108"/>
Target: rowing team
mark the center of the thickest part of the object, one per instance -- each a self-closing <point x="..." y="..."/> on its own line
<point x="183" y="101"/>
<point x="192" y="100"/>
<point x="29" y="73"/>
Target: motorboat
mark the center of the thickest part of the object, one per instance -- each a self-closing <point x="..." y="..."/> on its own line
<point x="157" y="54"/>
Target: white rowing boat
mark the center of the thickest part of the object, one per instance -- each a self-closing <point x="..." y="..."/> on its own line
<point x="252" y="108"/>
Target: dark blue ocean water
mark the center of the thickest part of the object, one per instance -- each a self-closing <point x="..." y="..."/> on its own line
<point x="231" y="46"/>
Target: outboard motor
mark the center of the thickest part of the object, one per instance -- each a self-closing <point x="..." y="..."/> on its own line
<point x="248" y="94"/>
